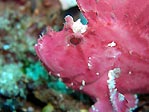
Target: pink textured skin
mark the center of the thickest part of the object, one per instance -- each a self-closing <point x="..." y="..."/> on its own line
<point x="85" y="64"/>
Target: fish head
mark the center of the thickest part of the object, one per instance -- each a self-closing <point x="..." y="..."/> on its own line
<point x="67" y="54"/>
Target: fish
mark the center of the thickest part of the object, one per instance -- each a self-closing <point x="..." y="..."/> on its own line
<point x="107" y="58"/>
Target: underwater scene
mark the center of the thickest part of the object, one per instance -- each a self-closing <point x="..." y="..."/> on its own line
<point x="74" y="56"/>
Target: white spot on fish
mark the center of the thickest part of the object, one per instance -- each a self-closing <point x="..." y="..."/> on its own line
<point x="114" y="73"/>
<point x="71" y="84"/>
<point x="97" y="73"/>
<point x="111" y="84"/>
<point x="81" y="87"/>
<point x="94" y="108"/>
<point x="112" y="44"/>
<point x="129" y="72"/>
<point x="121" y="97"/>
<point x="58" y="74"/>
<point x="83" y="82"/>
<point x="78" y="27"/>
<point x="89" y="63"/>
<point x="68" y="45"/>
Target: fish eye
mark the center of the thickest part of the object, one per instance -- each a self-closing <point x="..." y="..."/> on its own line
<point x="75" y="40"/>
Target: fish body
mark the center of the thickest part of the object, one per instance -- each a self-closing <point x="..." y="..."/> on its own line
<point x="108" y="58"/>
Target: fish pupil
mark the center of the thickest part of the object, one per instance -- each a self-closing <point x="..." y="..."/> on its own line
<point x="75" y="41"/>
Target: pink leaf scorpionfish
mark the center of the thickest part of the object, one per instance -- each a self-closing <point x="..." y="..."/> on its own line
<point x="108" y="58"/>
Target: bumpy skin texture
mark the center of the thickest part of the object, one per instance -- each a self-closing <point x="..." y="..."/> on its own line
<point x="110" y="60"/>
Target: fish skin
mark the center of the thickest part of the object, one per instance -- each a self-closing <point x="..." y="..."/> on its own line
<point x="110" y="60"/>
